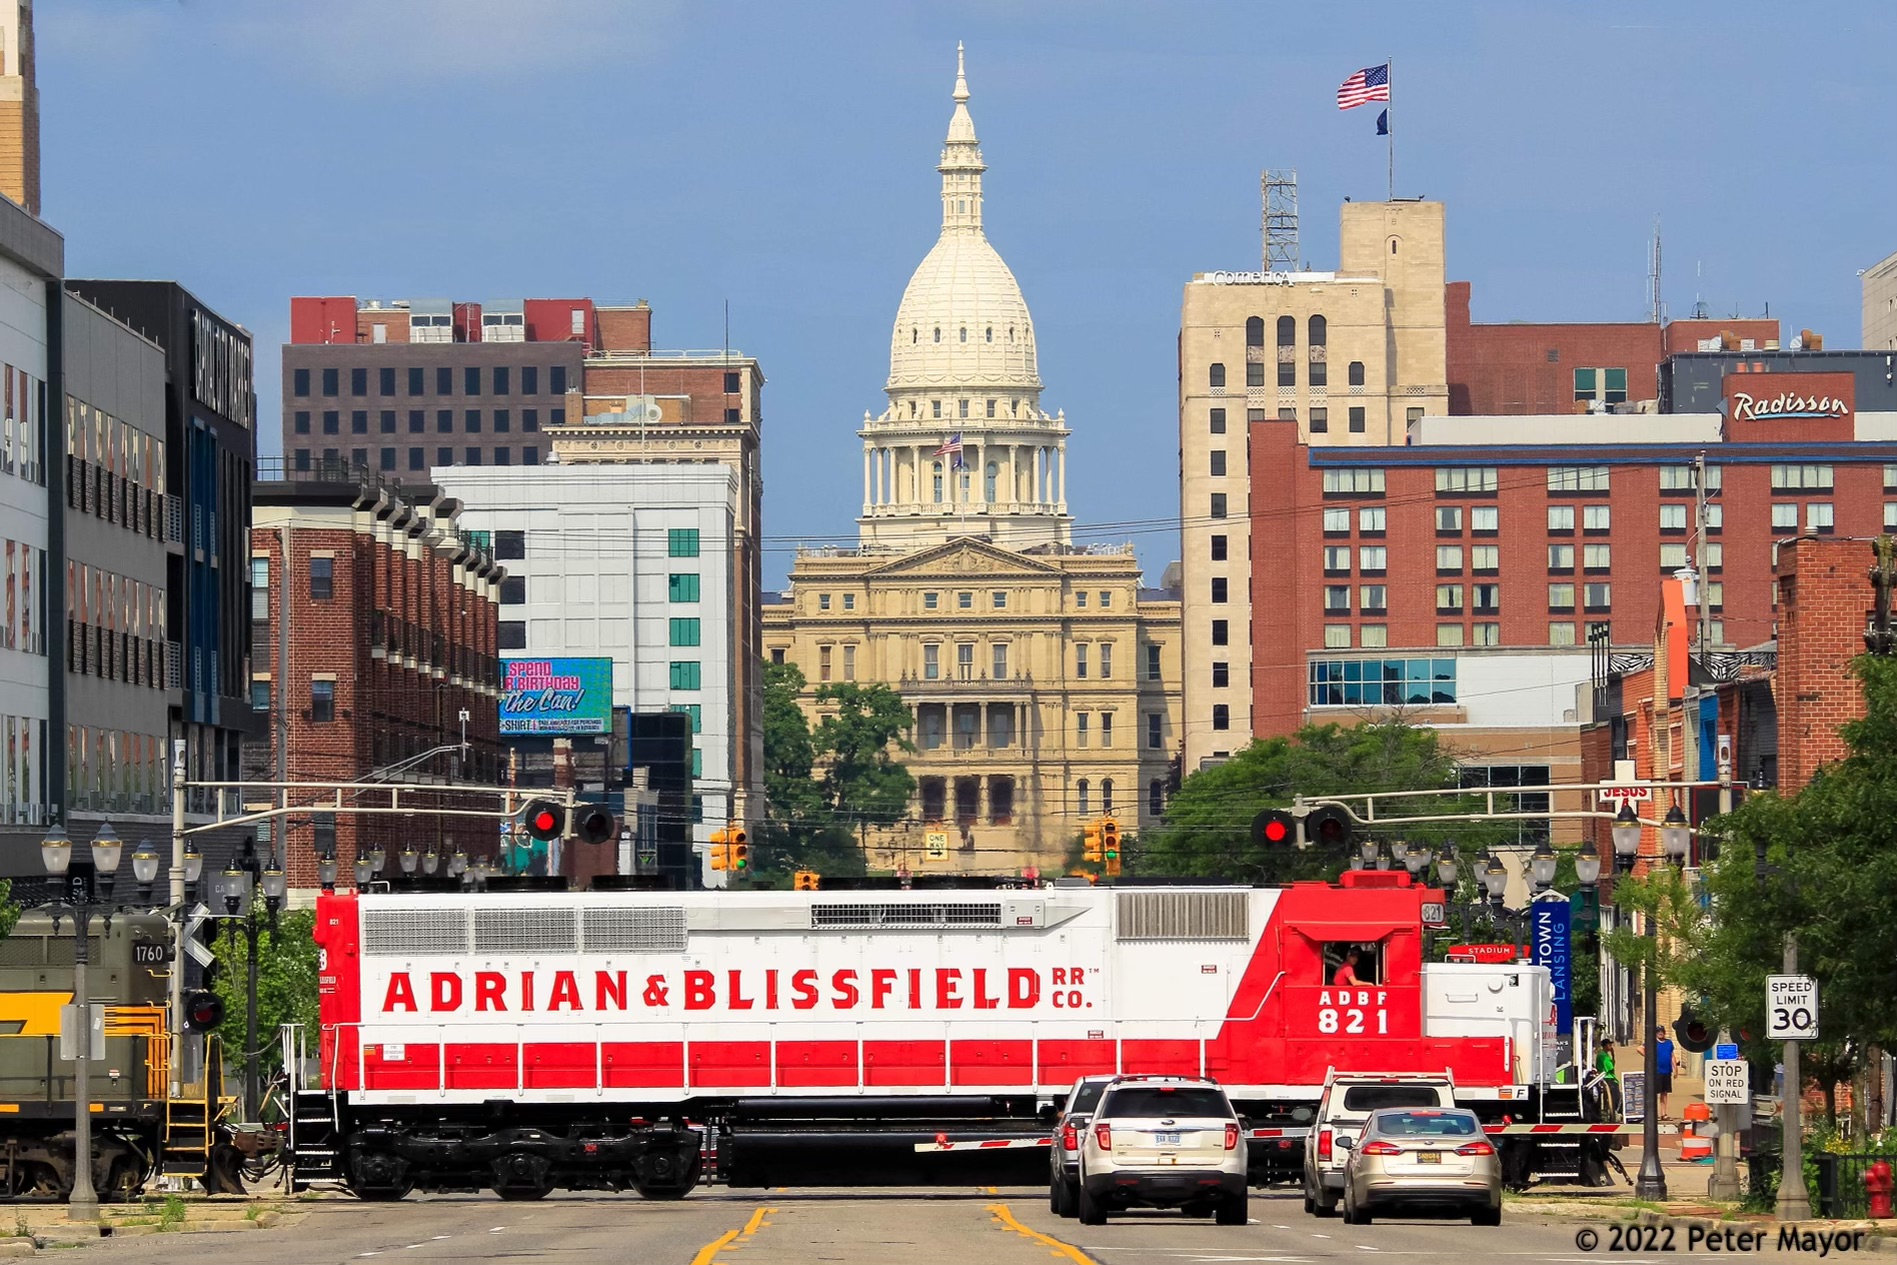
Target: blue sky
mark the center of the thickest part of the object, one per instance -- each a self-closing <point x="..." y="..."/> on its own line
<point x="781" y="157"/>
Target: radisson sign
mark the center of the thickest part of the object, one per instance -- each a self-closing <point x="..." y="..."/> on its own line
<point x="1747" y="408"/>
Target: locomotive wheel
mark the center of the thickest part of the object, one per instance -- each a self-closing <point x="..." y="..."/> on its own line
<point x="523" y="1194"/>
<point x="666" y="1179"/>
<point x="381" y="1194"/>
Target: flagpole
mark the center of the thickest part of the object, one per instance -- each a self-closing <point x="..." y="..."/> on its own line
<point x="1389" y="113"/>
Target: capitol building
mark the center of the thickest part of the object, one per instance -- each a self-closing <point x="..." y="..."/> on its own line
<point x="1045" y="680"/>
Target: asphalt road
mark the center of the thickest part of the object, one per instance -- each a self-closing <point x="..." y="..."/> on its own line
<point x="984" y="1227"/>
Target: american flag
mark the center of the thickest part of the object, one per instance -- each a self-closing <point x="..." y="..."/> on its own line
<point x="951" y="447"/>
<point x="1369" y="84"/>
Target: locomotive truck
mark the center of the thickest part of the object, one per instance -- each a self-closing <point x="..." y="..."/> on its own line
<point x="528" y="1041"/>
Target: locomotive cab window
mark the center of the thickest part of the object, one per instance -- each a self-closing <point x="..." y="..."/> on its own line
<point x="1350" y="962"/>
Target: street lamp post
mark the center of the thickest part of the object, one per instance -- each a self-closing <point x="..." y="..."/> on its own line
<point x="56" y="854"/>
<point x="1675" y="838"/>
<point x="247" y="873"/>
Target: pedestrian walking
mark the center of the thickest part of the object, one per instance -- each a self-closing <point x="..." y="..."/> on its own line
<point x="1663" y="1068"/>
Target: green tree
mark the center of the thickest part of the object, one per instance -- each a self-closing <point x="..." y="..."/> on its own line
<point x="9" y="911"/>
<point x="286" y="987"/>
<point x="862" y="782"/>
<point x="1819" y="863"/>
<point x="1207" y="831"/>
<point x="800" y="829"/>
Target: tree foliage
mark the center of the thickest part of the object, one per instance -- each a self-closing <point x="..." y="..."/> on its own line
<point x="1821" y="863"/>
<point x="1207" y="832"/>
<point x="862" y="782"/>
<point x="286" y="985"/>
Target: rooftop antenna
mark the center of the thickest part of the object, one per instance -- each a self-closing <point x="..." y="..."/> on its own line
<point x="1280" y="188"/>
<point x="1699" y="303"/>
<point x="1655" y="311"/>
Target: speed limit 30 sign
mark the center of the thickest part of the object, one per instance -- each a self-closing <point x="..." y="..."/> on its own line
<point x="1791" y="1008"/>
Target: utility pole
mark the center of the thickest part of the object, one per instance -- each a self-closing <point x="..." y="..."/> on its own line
<point x="1724" y="1183"/>
<point x="1794" y="1202"/>
<point x="177" y="904"/>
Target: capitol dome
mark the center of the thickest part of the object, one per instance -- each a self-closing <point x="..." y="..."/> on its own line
<point x="962" y="323"/>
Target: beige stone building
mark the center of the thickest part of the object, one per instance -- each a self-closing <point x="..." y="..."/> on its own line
<point x="1044" y="678"/>
<point x="1354" y="356"/>
<point x="1880" y="305"/>
<point x="19" y="107"/>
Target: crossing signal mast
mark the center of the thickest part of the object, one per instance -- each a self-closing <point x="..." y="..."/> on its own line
<point x="546" y="821"/>
<point x="1329" y="825"/>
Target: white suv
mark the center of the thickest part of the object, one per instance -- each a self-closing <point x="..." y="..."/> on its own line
<point x="1063" y="1175"/>
<point x="1346" y="1104"/>
<point x="1163" y="1142"/>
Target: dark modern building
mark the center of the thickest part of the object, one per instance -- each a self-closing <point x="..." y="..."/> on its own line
<point x="209" y="461"/>
<point x="1696" y="381"/>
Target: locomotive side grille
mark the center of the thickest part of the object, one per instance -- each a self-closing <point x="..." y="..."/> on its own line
<point x="526" y="930"/>
<point x="1183" y="916"/>
<point x="618" y="929"/>
<point x="400" y="932"/>
<point x="922" y="916"/>
<point x="27" y="951"/>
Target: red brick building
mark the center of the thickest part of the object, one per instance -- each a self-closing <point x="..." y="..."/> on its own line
<point x="1527" y="368"/>
<point x="390" y="613"/>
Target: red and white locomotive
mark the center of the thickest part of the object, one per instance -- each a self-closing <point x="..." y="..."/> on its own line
<point x="611" y="1040"/>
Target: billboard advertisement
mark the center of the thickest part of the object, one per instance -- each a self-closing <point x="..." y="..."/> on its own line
<point x="556" y="697"/>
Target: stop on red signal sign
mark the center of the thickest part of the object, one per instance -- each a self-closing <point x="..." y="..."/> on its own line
<point x="1273" y="828"/>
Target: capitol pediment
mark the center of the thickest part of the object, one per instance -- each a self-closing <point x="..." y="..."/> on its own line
<point x="964" y="557"/>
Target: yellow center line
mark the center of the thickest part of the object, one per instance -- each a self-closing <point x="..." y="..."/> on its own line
<point x="708" y="1254"/>
<point x="1005" y="1215"/>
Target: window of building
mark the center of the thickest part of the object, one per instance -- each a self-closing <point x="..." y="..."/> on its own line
<point x="1560" y="518"/>
<point x="1218" y="548"/>
<point x="1605" y="386"/>
<point x="1320" y="421"/>
<point x="1449" y="520"/>
<point x="682" y="542"/>
<point x="501" y="383"/>
<point x="1599" y="597"/>
<point x="1215" y="375"/>
<point x="471" y="420"/>
<point x="1785" y="517"/>
<point x="1449" y="634"/>
<point x="444" y="456"/>
<point x="1672" y="557"/>
<point x="530" y="419"/>
<point x="1356" y="421"/>
<point x="1381" y="682"/>
<point x="359" y="422"/>
<point x="322" y="579"/>
<point x="1370" y="520"/>
<point x="1106" y="740"/>
<point x="302" y="421"/>
<point x="1356" y="373"/>
<point x="1218" y="463"/>
<point x="1337" y="599"/>
<point x="1254" y="331"/>
<point x="471" y="381"/>
<point x="1560" y="597"/>
<point x="556" y="380"/>
<point x="1466" y="480"/>
<point x="1317" y="369"/>
<point x="1449" y="559"/>
<point x="1560" y="557"/>
<point x="1221" y="632"/>
<point x="1715" y="556"/>
<point x="685" y="632"/>
<point x="358" y="382"/>
<point x="260" y="588"/>
<point x="332" y="382"/>
<point x="1152" y="663"/>
<point x="1217" y="421"/>
<point x="965" y="600"/>
<point x="849" y="601"/>
<point x="1597" y="557"/>
<point x="417" y="421"/>
<point x="685" y="674"/>
<point x="1106" y="660"/>
<point x="1801" y="478"/>
<point x="1221" y="716"/>
<point x="514" y="590"/>
<point x="931" y="661"/>
<point x="1255" y="373"/>
<point x="1374" y="636"/>
<point x="1890" y="516"/>
<point x="511" y="544"/>
<point x="1485" y="559"/>
<point x="1818" y="516"/>
<point x="1560" y="634"/>
<point x="931" y="601"/>
<point x="680" y="586"/>
<point x="444" y="421"/>
<point x="849" y="663"/>
<point x="1337" y="560"/>
<point x="1673" y="518"/>
<point x="1355" y="480"/>
<point x="385" y="381"/>
<point x="1485" y="599"/>
<point x="473" y="456"/>
<point x="300" y="382"/>
<point x="260" y="694"/>
<point x="322" y="701"/>
<point x="386" y="459"/>
<point x="417" y="380"/>
<point x="1217" y="506"/>
<point x="1577" y="478"/>
<point x="1714" y="591"/>
<point x="444" y="381"/>
<point x="511" y="634"/>
<point x="1597" y="518"/>
<point x="1336" y="522"/>
<point x="1080" y="660"/>
<point x="823" y="601"/>
<point x="1372" y="599"/>
<point x="999" y="660"/>
<point x="823" y="663"/>
<point x="1448" y="599"/>
<point x="1485" y="520"/>
<point x="1221" y="674"/>
<point x="1373" y="559"/>
<point x="503" y="421"/>
<point x="1287" y="413"/>
<point x="386" y="422"/>
<point x="332" y="422"/>
<point x="417" y="459"/>
<point x="1337" y="636"/>
<point x="777" y="654"/>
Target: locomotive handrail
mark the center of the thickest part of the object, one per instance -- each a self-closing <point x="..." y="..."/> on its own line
<point x="1253" y="1017"/>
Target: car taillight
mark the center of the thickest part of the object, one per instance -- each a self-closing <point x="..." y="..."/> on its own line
<point x="1475" y="1148"/>
<point x="1324" y="1144"/>
<point x="1103" y="1134"/>
<point x="1069" y="1137"/>
<point x="1231" y="1137"/>
<point x="1381" y="1148"/>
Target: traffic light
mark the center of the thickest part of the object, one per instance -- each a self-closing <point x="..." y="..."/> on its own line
<point x="1693" y="1034"/>
<point x="730" y="849"/>
<point x="1273" y="828"/>
<point x="1110" y="842"/>
<point x="203" y="1011"/>
<point x="1096" y="846"/>
<point x="806" y="880"/>
<point x="594" y="823"/>
<point x="544" y="819"/>
<point x="1328" y="825"/>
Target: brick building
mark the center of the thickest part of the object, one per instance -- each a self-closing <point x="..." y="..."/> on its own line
<point x="369" y="647"/>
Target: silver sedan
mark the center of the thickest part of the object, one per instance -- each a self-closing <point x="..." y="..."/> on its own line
<point x="1434" y="1161"/>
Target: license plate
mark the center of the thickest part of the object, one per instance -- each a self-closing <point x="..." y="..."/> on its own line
<point x="1166" y="1139"/>
<point x="1429" y="1157"/>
